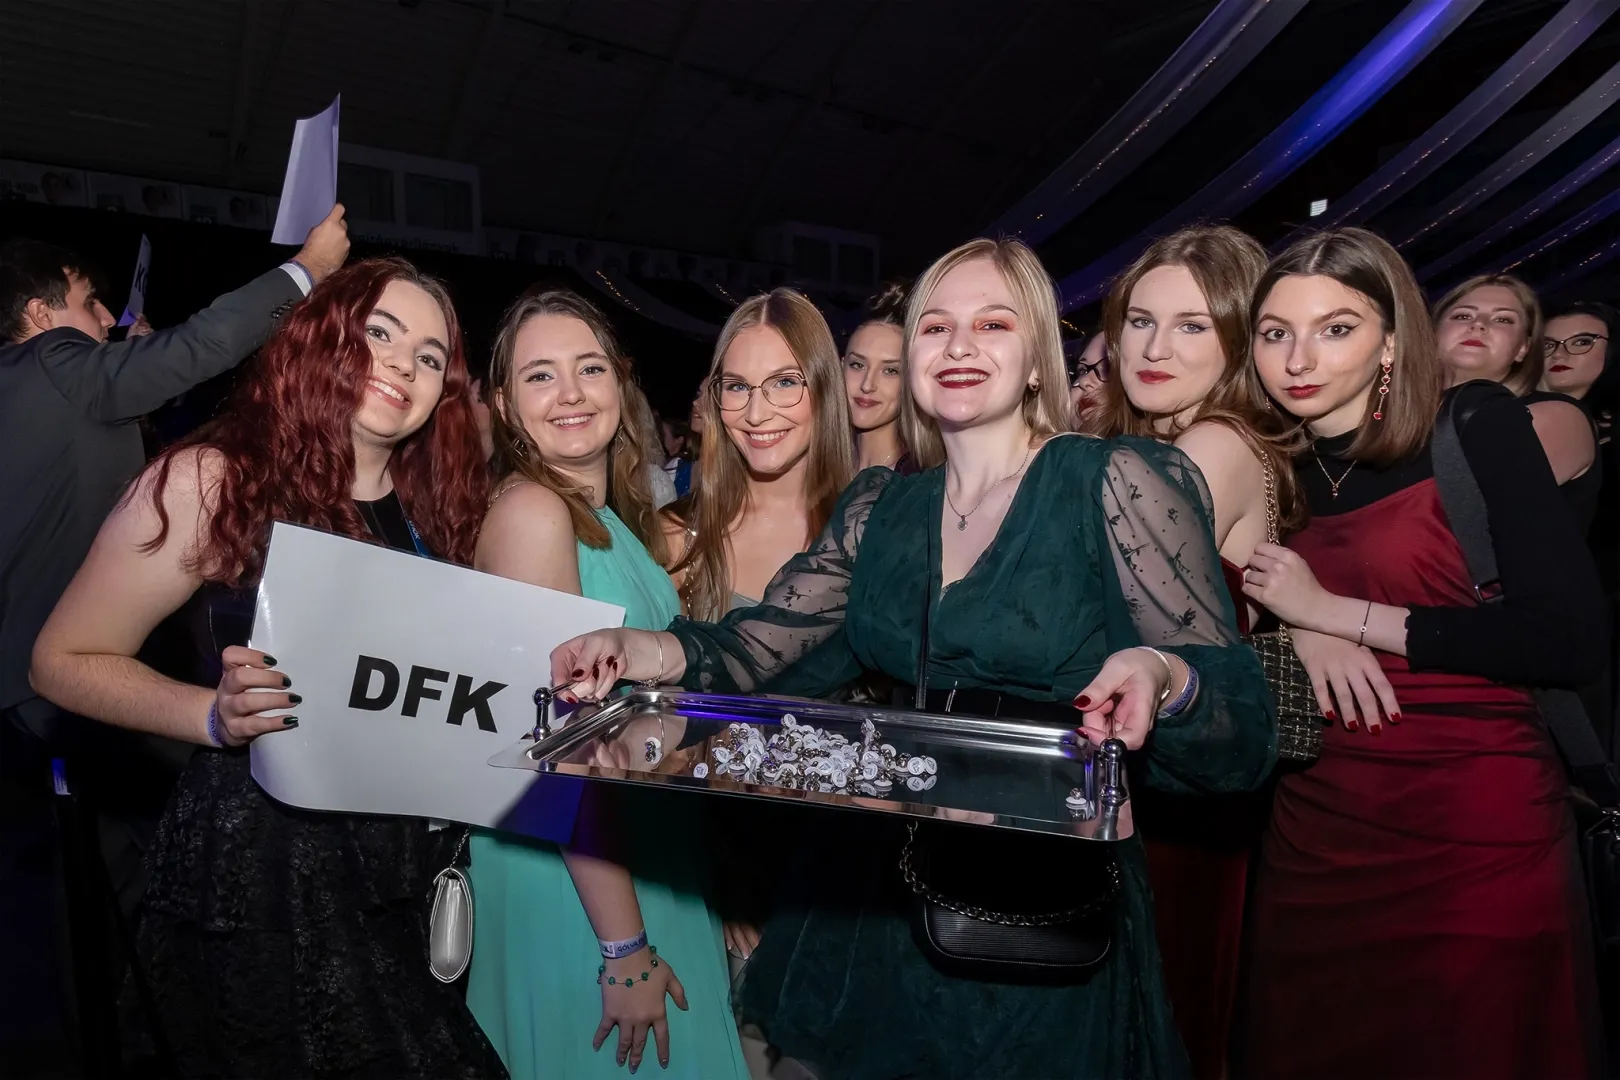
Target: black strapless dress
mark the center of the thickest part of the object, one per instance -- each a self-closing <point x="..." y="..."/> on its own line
<point x="286" y="943"/>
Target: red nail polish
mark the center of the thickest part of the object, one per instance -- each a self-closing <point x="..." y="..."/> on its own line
<point x="579" y="673"/>
<point x="1331" y="716"/>
<point x="1352" y="725"/>
<point x="1375" y="729"/>
<point x="1082" y="702"/>
<point x="1395" y="718"/>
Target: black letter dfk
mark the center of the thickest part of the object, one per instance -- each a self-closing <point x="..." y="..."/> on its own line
<point x="417" y="688"/>
<point x="465" y="697"/>
<point x="359" y="698"/>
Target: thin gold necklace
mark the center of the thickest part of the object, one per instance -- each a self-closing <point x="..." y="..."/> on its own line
<point x="961" y="518"/>
<point x="1333" y="485"/>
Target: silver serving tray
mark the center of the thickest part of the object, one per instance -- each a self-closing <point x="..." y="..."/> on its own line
<point x="1001" y="773"/>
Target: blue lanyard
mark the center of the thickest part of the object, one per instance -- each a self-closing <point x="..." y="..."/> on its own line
<point x="416" y="538"/>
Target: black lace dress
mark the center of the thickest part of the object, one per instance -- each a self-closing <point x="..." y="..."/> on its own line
<point x="285" y="943"/>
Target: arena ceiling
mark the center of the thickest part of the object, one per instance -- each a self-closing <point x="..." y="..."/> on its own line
<point x="690" y="123"/>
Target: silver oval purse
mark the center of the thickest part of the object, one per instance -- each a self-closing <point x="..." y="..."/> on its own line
<point x="450" y="925"/>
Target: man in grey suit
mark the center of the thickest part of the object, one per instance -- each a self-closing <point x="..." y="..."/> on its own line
<point x="69" y="438"/>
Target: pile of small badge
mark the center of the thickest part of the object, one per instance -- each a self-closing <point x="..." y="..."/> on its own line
<point x="803" y="757"/>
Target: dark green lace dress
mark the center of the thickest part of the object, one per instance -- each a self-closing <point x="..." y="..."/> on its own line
<point x="1107" y="544"/>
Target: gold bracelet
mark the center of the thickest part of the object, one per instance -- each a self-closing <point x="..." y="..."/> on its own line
<point x="1169" y="671"/>
<point x="659" y="677"/>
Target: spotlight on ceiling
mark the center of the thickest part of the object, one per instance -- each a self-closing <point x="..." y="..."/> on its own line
<point x="1318" y="207"/>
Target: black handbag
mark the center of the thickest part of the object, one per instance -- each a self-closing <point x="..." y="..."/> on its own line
<point x="1597" y="781"/>
<point x="1299" y="717"/>
<point x="1003" y="906"/>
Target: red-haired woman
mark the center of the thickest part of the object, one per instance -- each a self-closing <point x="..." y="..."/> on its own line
<point x="278" y="942"/>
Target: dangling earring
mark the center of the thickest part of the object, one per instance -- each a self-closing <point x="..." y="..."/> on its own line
<point x="1383" y="390"/>
<point x="520" y="447"/>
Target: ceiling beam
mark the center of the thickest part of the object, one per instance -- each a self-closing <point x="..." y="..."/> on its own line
<point x="454" y="138"/>
<point x="657" y="88"/>
<point x="790" y="130"/>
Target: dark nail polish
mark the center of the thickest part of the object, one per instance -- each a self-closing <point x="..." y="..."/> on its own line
<point x="290" y="721"/>
<point x="1395" y="718"/>
<point x="296" y="699"/>
<point x="286" y="681"/>
<point x="579" y="673"/>
<point x="269" y="661"/>
<point x="1375" y="729"/>
<point x="1082" y="702"/>
<point x="1331" y="716"/>
<point x="1352" y="725"/>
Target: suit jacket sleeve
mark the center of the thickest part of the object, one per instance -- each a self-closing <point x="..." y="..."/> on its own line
<point x="125" y="379"/>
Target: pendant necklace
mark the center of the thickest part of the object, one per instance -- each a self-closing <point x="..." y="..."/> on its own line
<point x="961" y="518"/>
<point x="1333" y="485"/>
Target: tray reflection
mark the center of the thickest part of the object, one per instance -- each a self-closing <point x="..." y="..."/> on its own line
<point x="1006" y="774"/>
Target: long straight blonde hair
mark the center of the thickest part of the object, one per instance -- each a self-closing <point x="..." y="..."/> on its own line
<point x="720" y="496"/>
<point x="1046" y="410"/>
<point x="629" y="491"/>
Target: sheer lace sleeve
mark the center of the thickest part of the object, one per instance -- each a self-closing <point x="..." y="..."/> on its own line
<point x="1156" y="517"/>
<point x="793" y="638"/>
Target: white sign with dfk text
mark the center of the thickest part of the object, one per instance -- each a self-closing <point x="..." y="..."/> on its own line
<point x="413" y="673"/>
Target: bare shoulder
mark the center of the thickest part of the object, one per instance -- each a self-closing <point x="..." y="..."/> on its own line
<point x="527" y="508"/>
<point x="1221" y="454"/>
<point x="1556" y="411"/>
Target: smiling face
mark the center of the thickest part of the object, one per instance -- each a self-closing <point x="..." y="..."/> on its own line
<point x="969" y="363"/>
<point x="1570" y="371"/>
<point x="1170" y="354"/>
<point x="765" y="401"/>
<point x="1319" y="346"/>
<point x="1483" y="335"/>
<point x="564" y="391"/>
<point x="872" y="375"/>
<point x="408" y="337"/>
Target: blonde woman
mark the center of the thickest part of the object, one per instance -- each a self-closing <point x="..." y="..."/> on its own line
<point x="574" y="511"/>
<point x="1490" y="327"/>
<point x="775" y="459"/>
<point x="1042" y="561"/>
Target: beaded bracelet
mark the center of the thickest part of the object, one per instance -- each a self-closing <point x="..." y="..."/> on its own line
<point x="646" y="976"/>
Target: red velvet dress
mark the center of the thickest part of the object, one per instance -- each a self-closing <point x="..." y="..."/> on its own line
<point x="1418" y="909"/>
<point x="1198" y="852"/>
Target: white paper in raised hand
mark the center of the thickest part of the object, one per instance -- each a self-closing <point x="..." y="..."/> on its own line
<point x="309" y="190"/>
<point x="137" y="285"/>
<point x="414" y="673"/>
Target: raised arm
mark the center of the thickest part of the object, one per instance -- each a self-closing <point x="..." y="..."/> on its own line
<point x="1164" y="587"/>
<point x="121" y="380"/>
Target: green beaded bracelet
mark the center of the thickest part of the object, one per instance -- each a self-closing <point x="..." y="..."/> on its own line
<point x="646" y="976"/>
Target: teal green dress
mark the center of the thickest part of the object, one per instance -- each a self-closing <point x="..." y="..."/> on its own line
<point x="1107" y="545"/>
<point x="532" y="985"/>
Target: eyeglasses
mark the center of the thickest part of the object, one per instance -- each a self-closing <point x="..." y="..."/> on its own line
<point x="1098" y="369"/>
<point x="1574" y="345"/>
<point x="782" y="391"/>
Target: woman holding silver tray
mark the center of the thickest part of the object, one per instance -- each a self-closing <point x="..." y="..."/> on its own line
<point x="1027" y="572"/>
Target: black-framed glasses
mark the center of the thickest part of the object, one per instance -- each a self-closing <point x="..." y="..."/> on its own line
<point x="1574" y="345"/>
<point x="782" y="391"/>
<point x="1098" y="369"/>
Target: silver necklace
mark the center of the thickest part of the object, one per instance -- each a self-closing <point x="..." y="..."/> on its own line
<point x="961" y="518"/>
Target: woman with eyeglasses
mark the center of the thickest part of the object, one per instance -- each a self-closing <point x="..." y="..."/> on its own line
<point x="776" y="392"/>
<point x="1489" y="327"/>
<point x="1087" y="374"/>
<point x="777" y="456"/>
